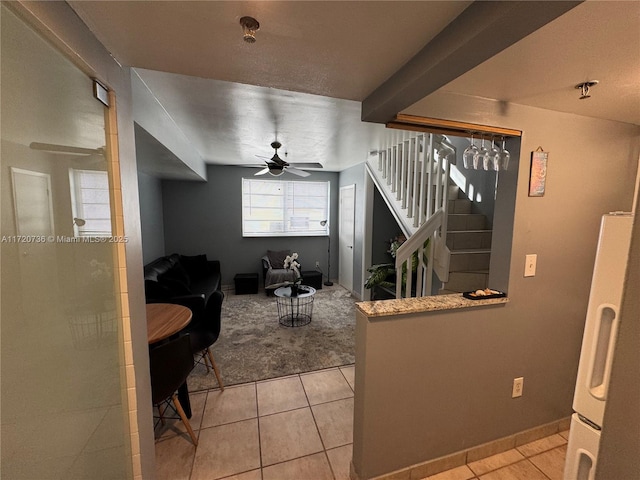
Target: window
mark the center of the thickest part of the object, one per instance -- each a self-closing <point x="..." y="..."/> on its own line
<point x="276" y="208"/>
<point x="90" y="203"/>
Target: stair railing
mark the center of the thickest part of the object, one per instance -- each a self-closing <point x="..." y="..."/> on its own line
<point x="412" y="176"/>
<point x="413" y="251"/>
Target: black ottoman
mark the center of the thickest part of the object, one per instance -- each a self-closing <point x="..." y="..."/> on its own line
<point x="313" y="278"/>
<point x="246" y="283"/>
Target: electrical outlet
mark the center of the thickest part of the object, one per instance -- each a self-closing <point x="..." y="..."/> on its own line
<point x="518" y="385"/>
<point x="317" y="264"/>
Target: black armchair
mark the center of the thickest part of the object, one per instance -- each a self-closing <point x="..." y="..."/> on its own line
<point x="170" y="363"/>
<point x="273" y="272"/>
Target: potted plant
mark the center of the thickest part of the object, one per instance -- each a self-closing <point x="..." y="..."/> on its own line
<point x="382" y="276"/>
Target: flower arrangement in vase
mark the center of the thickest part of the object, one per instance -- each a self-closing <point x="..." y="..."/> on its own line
<point x="291" y="263"/>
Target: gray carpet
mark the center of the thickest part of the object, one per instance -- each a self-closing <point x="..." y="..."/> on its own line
<point x="254" y="346"/>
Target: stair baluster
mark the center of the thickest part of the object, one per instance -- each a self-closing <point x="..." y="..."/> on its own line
<point x="414" y="182"/>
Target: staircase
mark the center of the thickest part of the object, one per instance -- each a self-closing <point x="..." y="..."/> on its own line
<point x="412" y="175"/>
<point x="469" y="241"/>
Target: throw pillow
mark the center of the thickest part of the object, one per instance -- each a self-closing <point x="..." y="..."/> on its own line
<point x="276" y="259"/>
<point x="196" y="266"/>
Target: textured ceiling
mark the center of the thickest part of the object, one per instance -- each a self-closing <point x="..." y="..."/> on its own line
<point x="230" y="99"/>
<point x="230" y="123"/>
<point x="594" y="41"/>
<point x="335" y="48"/>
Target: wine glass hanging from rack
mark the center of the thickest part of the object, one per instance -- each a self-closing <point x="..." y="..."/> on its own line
<point x="494" y="158"/>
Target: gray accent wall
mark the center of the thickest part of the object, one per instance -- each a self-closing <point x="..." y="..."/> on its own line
<point x="432" y="384"/>
<point x="207" y="218"/>
<point x="151" y="217"/>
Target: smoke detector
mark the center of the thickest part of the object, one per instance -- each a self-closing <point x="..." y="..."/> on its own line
<point x="249" y="27"/>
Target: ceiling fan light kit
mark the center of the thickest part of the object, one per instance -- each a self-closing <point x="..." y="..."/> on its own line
<point x="275" y="170"/>
<point x="249" y="27"/>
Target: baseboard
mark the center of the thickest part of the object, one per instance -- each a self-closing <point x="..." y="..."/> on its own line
<point x="437" y="465"/>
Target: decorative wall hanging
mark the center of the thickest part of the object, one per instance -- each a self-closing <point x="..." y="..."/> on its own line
<point x="538" y="175"/>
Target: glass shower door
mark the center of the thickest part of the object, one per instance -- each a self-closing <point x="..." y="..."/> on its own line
<point x="63" y="393"/>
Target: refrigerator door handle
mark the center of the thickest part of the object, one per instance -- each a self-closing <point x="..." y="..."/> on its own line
<point x="602" y="349"/>
<point x="585" y="463"/>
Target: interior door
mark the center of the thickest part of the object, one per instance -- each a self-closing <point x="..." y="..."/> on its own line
<point x="346" y="237"/>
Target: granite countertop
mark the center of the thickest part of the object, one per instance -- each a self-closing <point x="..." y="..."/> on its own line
<point x="381" y="308"/>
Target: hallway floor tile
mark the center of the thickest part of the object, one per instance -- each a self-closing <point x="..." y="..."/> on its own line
<point x="300" y="427"/>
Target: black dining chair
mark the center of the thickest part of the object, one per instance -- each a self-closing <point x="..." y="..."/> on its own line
<point x="203" y="333"/>
<point x="170" y="364"/>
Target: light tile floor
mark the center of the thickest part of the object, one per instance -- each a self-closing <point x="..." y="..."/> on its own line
<point x="300" y="427"/>
<point x="539" y="460"/>
<point x="297" y="427"/>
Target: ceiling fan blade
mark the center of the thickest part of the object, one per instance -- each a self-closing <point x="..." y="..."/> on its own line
<point x="68" y="149"/>
<point x="263" y="171"/>
<point x="295" y="171"/>
<point x="306" y="165"/>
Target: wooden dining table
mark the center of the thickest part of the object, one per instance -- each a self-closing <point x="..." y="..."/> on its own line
<point x="163" y="321"/>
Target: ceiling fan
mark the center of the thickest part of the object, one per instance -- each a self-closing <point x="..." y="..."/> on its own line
<point x="276" y="166"/>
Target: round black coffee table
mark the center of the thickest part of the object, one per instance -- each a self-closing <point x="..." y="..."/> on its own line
<point x="295" y="310"/>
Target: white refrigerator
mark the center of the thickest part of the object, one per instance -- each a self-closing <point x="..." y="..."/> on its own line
<point x="598" y="345"/>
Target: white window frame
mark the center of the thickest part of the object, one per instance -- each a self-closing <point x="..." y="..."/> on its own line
<point x="285" y="223"/>
<point x="79" y="204"/>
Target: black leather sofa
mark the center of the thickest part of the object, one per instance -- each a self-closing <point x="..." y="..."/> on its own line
<point x="192" y="281"/>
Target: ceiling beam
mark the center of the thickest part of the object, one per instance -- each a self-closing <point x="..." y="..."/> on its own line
<point x="154" y="119"/>
<point x="482" y="30"/>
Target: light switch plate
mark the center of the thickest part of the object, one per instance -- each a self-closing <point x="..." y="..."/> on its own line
<point x="530" y="265"/>
<point x="518" y="384"/>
